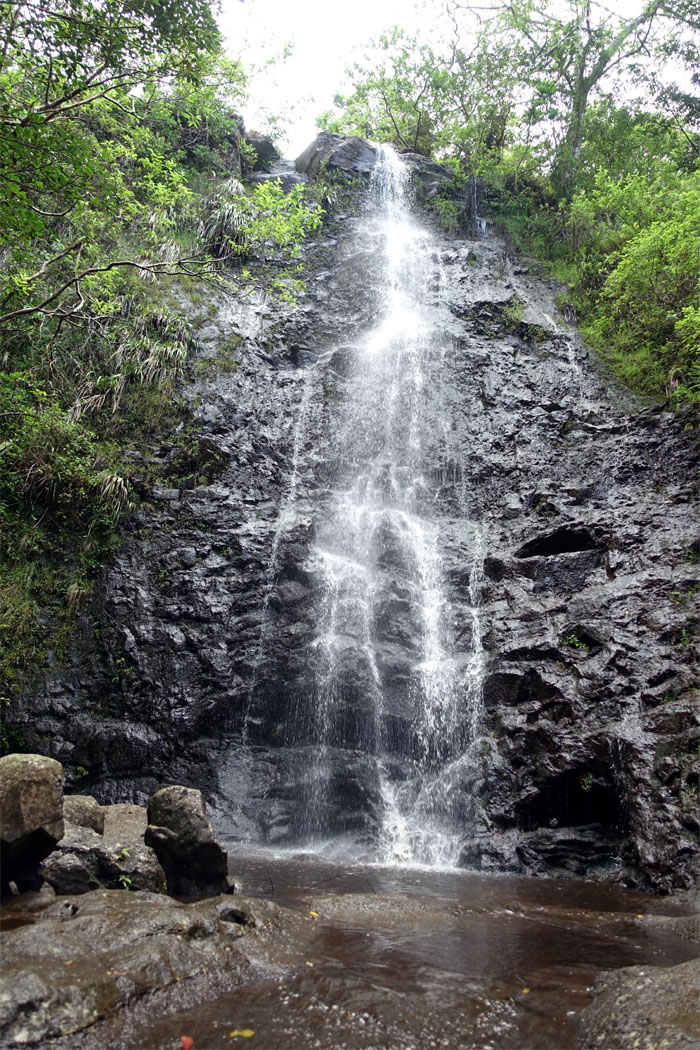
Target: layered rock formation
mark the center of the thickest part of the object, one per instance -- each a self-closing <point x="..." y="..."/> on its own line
<point x="193" y="655"/>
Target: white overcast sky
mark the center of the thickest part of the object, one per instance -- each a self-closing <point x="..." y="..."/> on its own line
<point x="323" y="34"/>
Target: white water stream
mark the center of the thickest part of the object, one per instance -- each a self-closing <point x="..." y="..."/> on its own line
<point x="381" y="566"/>
<point x="377" y="753"/>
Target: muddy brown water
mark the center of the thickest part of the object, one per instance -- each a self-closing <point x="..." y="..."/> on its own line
<point x="422" y="959"/>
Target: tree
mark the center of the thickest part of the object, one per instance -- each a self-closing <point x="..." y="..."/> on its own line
<point x="400" y="94"/>
<point x="431" y="98"/>
<point x="571" y="51"/>
<point x="567" y="50"/>
<point x="66" y="71"/>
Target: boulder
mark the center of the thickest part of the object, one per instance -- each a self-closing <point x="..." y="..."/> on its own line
<point x="31" y="816"/>
<point x="182" y="838"/>
<point x="265" y="149"/>
<point x="84" y="862"/>
<point x="124" y="823"/>
<point x="84" y="811"/>
<point x="350" y="156"/>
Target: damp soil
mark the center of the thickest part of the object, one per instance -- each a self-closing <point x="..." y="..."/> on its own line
<point x="395" y="959"/>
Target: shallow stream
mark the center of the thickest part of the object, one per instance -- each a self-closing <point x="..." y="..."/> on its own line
<point x="415" y="959"/>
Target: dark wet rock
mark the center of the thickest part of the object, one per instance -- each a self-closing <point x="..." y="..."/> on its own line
<point x="181" y="836"/>
<point x="31" y="816"/>
<point x="122" y="950"/>
<point x="265" y="150"/>
<point x="350" y="156"/>
<point x="84" y="861"/>
<point x="643" y="1008"/>
<point x="84" y="811"/>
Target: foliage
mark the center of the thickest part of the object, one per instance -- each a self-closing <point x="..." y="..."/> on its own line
<point x="644" y="273"/>
<point x="118" y="139"/>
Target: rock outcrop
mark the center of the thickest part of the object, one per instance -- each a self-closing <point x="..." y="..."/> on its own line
<point x="351" y="157"/>
<point x="31" y="817"/>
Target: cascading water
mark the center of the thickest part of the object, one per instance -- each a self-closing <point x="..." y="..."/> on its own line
<point x="380" y="551"/>
<point x="386" y="710"/>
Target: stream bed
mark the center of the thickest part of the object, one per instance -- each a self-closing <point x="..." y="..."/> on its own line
<point x="414" y="959"/>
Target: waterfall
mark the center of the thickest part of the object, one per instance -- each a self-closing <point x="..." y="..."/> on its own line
<point x="386" y="678"/>
<point x="384" y="713"/>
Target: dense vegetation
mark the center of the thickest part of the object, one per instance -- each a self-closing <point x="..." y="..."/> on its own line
<point x="120" y="164"/>
<point x="588" y="156"/>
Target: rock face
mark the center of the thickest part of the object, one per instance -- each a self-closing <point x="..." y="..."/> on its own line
<point x="587" y="504"/>
<point x="180" y="834"/>
<point x="350" y="156"/>
<point x="31" y="816"/>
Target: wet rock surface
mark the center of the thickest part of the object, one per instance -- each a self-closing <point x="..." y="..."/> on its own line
<point x="70" y="976"/>
<point x="643" y="1008"/>
<point x="193" y="661"/>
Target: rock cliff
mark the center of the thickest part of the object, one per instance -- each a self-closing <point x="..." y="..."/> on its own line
<point x="192" y="658"/>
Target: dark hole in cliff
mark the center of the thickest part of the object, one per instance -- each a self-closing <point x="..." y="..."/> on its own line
<point x="561" y="541"/>
<point x="574" y="799"/>
<point x="511" y="689"/>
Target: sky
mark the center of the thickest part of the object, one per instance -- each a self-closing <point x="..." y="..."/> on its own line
<point x="323" y="34"/>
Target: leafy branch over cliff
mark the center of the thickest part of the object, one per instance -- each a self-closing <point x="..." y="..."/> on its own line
<point x="119" y="140"/>
<point x="587" y="154"/>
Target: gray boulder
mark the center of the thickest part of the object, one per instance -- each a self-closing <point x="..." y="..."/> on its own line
<point x="84" y="811"/>
<point x="182" y="838"/>
<point x="84" y="861"/>
<point x="31" y="817"/>
<point x="350" y="156"/>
